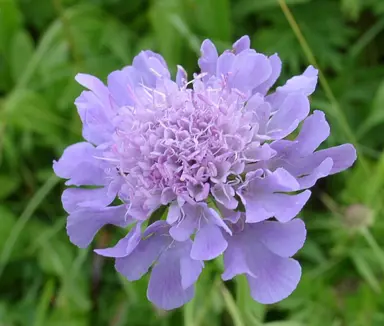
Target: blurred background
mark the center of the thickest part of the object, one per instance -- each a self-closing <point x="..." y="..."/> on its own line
<point x="47" y="281"/>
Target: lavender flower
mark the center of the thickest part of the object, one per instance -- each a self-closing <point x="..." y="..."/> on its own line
<point x="212" y="151"/>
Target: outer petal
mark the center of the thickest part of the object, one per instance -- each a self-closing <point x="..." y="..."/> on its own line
<point x="249" y="70"/>
<point x="314" y="131"/>
<point x="79" y="166"/>
<point x="125" y="246"/>
<point x="75" y="198"/>
<point x="165" y="287"/>
<point x="136" y="264"/>
<point x="83" y="224"/>
<point x="96" y="118"/>
<point x="121" y="84"/>
<point x="275" y="280"/>
<point x="288" y="116"/>
<point x="343" y="157"/>
<point x="283" y="239"/>
<point x="182" y="230"/>
<point x="243" y="43"/>
<point x="286" y="207"/>
<point x="95" y="85"/>
<point x="276" y="64"/>
<point x="319" y="172"/>
<point x="271" y="277"/>
<point x="305" y="83"/>
<point x="224" y="194"/>
<point x="181" y="76"/>
<point x="190" y="271"/>
<point x="209" y="243"/>
<point x="208" y="59"/>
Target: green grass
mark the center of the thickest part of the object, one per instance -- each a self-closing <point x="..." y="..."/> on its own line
<point x="47" y="281"/>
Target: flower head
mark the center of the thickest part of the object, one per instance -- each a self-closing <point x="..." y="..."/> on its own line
<point x="213" y="152"/>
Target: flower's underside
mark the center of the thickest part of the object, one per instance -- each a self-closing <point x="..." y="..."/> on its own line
<point x="214" y="151"/>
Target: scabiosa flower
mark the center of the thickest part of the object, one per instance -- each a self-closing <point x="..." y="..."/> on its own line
<point x="213" y="154"/>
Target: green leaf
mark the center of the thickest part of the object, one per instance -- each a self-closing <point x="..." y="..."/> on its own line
<point x="21" y="51"/>
<point x="8" y="184"/>
<point x="284" y="323"/>
<point x="376" y="116"/>
<point x="213" y="18"/>
<point x="28" y="110"/>
<point x="245" y="7"/>
<point x="167" y="39"/>
<point x="352" y="8"/>
<point x="252" y="312"/>
<point x="365" y="271"/>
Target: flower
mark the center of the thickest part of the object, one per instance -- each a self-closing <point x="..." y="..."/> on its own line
<point x="213" y="154"/>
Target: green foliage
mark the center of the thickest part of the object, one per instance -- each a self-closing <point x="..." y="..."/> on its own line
<point x="46" y="281"/>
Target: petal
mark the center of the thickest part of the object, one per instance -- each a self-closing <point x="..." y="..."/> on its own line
<point x="84" y="223"/>
<point x="235" y="262"/>
<point x="165" y="287"/>
<point x="243" y="43"/>
<point x="271" y="277"/>
<point x="256" y="152"/>
<point x="321" y="171"/>
<point x="208" y="58"/>
<point x="182" y="230"/>
<point x="209" y="243"/>
<point x="174" y="213"/>
<point x="125" y="246"/>
<point x="155" y="241"/>
<point x="190" y="271"/>
<point x="79" y="166"/>
<point x="256" y="211"/>
<point x="275" y="279"/>
<point x="224" y="194"/>
<point x="343" y="157"/>
<point x="282" y="206"/>
<point x="286" y="207"/>
<point x="150" y="66"/>
<point x="229" y="214"/>
<point x="305" y="83"/>
<point x="74" y="198"/>
<point x="276" y="64"/>
<point x="224" y="64"/>
<point x="314" y="131"/>
<point x="181" y="76"/>
<point x="95" y="85"/>
<point x="96" y="117"/>
<point x="249" y="70"/>
<point x="121" y="84"/>
<point x="288" y="116"/>
<point x="283" y="239"/>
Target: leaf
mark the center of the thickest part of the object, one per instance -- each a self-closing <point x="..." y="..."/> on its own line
<point x="21" y="51"/>
<point x="325" y="40"/>
<point x="245" y="7"/>
<point x="284" y="323"/>
<point x="213" y="18"/>
<point x="252" y="312"/>
<point x="376" y="116"/>
<point x="43" y="305"/>
<point x="352" y="8"/>
<point x="28" y="110"/>
<point x="7" y="221"/>
<point x="10" y="22"/>
<point x="167" y="39"/>
<point x="365" y="271"/>
<point x="8" y="184"/>
<point x="232" y="308"/>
